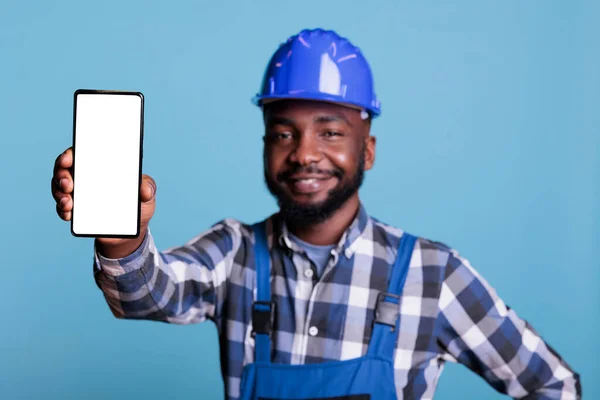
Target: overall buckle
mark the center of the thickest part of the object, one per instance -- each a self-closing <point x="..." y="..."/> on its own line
<point x="386" y="312"/>
<point x="263" y="320"/>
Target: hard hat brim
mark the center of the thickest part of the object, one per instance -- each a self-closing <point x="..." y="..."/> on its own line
<point x="259" y="100"/>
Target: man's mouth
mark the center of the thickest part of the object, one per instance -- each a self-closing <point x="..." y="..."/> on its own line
<point x="308" y="184"/>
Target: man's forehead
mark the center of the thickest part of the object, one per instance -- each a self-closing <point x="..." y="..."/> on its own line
<point x="310" y="109"/>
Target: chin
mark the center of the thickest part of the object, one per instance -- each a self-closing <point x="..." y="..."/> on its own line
<point x="308" y="199"/>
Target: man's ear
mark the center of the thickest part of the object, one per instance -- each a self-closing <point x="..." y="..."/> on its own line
<point x="370" y="142"/>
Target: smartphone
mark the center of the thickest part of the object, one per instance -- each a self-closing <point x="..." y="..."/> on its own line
<point x="108" y="134"/>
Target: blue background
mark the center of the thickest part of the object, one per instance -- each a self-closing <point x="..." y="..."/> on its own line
<point x="489" y="141"/>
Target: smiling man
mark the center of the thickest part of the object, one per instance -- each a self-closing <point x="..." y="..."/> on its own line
<point x="321" y="300"/>
<point x="315" y="157"/>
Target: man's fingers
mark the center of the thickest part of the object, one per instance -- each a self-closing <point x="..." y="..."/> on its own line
<point x="148" y="188"/>
<point x="63" y="180"/>
<point x="63" y="200"/>
<point x="64" y="160"/>
<point x="65" y="203"/>
<point x="57" y="193"/>
<point x="64" y="215"/>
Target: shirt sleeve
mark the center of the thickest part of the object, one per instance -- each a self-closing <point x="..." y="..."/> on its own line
<point x="479" y="331"/>
<point x="182" y="285"/>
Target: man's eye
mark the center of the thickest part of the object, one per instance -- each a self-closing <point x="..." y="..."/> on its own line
<point x="282" y="135"/>
<point x="279" y="136"/>
<point x="331" y="134"/>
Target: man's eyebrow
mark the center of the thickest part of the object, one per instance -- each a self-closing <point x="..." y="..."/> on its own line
<point x="332" y="118"/>
<point x="321" y="119"/>
<point x="277" y="120"/>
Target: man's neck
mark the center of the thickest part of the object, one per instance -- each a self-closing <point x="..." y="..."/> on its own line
<point x="331" y="230"/>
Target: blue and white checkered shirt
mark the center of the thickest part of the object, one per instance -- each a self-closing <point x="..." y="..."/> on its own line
<point x="448" y="312"/>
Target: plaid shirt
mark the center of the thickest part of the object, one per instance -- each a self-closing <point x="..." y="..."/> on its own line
<point x="448" y="312"/>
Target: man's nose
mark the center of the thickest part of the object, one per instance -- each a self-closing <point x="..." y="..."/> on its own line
<point x="307" y="151"/>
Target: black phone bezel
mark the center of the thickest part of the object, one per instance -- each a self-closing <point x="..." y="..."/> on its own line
<point x="140" y="162"/>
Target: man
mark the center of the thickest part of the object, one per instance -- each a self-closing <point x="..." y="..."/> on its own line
<point x="321" y="300"/>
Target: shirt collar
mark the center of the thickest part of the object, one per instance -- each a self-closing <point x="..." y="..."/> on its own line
<point x="347" y="242"/>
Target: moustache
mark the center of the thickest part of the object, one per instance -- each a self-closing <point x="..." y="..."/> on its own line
<point x="336" y="172"/>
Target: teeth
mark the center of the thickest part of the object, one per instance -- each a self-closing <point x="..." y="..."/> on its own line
<point x="307" y="181"/>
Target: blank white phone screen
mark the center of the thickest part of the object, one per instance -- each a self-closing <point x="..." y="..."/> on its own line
<point x="107" y="164"/>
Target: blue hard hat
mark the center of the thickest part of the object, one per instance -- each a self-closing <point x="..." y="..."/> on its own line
<point x="319" y="65"/>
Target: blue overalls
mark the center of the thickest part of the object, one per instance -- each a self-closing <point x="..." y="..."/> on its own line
<point x="370" y="377"/>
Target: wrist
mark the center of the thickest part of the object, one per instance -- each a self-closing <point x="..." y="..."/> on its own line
<point x="120" y="249"/>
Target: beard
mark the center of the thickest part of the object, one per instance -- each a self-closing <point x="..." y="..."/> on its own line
<point x="303" y="215"/>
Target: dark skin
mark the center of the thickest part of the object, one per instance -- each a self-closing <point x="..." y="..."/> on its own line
<point x="327" y="136"/>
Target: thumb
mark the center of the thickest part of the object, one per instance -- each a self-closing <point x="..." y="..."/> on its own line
<point x="147" y="189"/>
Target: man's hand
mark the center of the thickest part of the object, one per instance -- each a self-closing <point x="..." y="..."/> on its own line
<point x="62" y="188"/>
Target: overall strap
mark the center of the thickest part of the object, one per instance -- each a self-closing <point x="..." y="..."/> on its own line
<point x="387" y="309"/>
<point x="262" y="308"/>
